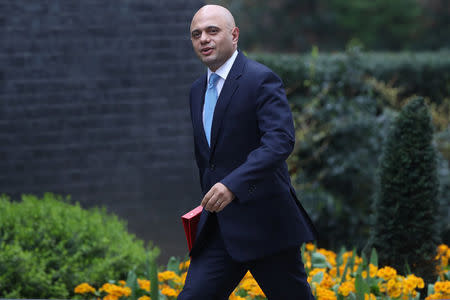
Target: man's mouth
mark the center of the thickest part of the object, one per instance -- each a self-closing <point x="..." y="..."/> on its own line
<point x="207" y="51"/>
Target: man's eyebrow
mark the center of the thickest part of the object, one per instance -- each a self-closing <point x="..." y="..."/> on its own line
<point x="207" y="28"/>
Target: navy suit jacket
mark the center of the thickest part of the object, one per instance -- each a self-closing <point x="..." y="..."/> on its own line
<point x="252" y="135"/>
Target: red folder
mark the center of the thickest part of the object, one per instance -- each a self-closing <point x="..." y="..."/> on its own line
<point x="190" y="222"/>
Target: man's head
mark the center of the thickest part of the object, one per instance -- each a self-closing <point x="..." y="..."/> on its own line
<point x="214" y="35"/>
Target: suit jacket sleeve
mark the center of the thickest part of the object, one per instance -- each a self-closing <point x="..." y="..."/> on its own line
<point x="277" y="138"/>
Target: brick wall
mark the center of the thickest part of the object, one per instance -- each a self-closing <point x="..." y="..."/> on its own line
<point x="94" y="103"/>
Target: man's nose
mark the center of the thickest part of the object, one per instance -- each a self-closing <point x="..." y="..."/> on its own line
<point x="204" y="38"/>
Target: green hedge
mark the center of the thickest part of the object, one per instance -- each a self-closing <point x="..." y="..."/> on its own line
<point x="421" y="73"/>
<point x="48" y="246"/>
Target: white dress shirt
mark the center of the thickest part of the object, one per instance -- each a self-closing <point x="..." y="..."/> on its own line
<point x="223" y="73"/>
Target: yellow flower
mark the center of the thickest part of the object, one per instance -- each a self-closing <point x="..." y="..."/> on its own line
<point x="249" y="284"/>
<point x="84" y="288"/>
<point x="327" y="281"/>
<point x="333" y="272"/>
<point x="185" y="265"/>
<point x="442" y="249"/>
<point x="370" y="297"/>
<point x="144" y="284"/>
<point x="122" y="282"/>
<point x="316" y="270"/>
<point x="329" y="255"/>
<point x="115" y="290"/>
<point x="414" y="281"/>
<point x="373" y="270"/>
<point x="307" y="258"/>
<point x="346" y="256"/>
<point x="183" y="278"/>
<point x="256" y="291"/>
<point x="144" y="298"/>
<point x="346" y="287"/>
<point x="394" y="288"/>
<point x="166" y="275"/>
<point x="110" y="297"/>
<point x="387" y="273"/>
<point x="310" y="247"/>
<point x="169" y="292"/>
<point x="442" y="287"/>
<point x="435" y="296"/>
<point x="235" y="297"/>
<point x="324" y="294"/>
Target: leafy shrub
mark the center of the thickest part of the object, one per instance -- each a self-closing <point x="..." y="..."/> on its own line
<point x="47" y="246"/>
<point x="406" y="202"/>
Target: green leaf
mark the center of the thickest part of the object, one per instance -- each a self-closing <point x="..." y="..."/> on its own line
<point x="174" y="265"/>
<point x="430" y="289"/>
<point x="340" y="258"/>
<point x="360" y="269"/>
<point x="352" y="296"/>
<point x="447" y="275"/>
<point x="153" y="274"/>
<point x="318" y="260"/>
<point x="374" y="257"/>
<point x="132" y="284"/>
<point x="361" y="287"/>
<point x="347" y="266"/>
<point x="364" y="260"/>
<point x="317" y="278"/>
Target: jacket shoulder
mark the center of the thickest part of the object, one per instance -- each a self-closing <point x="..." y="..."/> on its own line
<point x="255" y="69"/>
<point x="197" y="82"/>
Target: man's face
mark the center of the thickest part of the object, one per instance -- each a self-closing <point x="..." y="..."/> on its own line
<point x="213" y="38"/>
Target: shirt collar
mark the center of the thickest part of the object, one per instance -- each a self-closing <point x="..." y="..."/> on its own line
<point x="225" y="68"/>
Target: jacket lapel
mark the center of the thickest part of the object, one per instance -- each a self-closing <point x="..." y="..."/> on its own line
<point x="230" y="86"/>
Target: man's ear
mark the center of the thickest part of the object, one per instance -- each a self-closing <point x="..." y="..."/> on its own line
<point x="235" y="34"/>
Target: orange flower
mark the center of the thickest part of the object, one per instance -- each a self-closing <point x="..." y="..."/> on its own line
<point x="84" y="288"/>
<point x="166" y="275"/>
<point x="387" y="273"/>
<point x="169" y="292"/>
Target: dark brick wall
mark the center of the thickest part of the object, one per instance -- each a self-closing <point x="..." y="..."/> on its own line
<point x="94" y="103"/>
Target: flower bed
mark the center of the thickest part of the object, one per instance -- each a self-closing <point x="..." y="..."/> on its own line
<point x="339" y="276"/>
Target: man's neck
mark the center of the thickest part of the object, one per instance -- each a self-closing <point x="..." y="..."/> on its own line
<point x="225" y="68"/>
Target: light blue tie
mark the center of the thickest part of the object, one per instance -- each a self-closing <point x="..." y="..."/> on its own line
<point x="210" y="104"/>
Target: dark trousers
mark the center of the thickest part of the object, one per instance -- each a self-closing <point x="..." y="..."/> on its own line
<point x="213" y="274"/>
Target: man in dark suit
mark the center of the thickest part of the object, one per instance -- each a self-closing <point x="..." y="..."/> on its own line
<point x="243" y="133"/>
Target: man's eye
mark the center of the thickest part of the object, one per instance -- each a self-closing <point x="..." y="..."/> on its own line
<point x="195" y="35"/>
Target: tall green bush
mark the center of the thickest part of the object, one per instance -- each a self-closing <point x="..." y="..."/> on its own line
<point x="48" y="246"/>
<point x="406" y="205"/>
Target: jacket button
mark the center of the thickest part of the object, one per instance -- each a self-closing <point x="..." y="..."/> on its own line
<point x="212" y="167"/>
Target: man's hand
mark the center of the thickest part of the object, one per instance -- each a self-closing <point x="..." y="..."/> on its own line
<point x="218" y="197"/>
